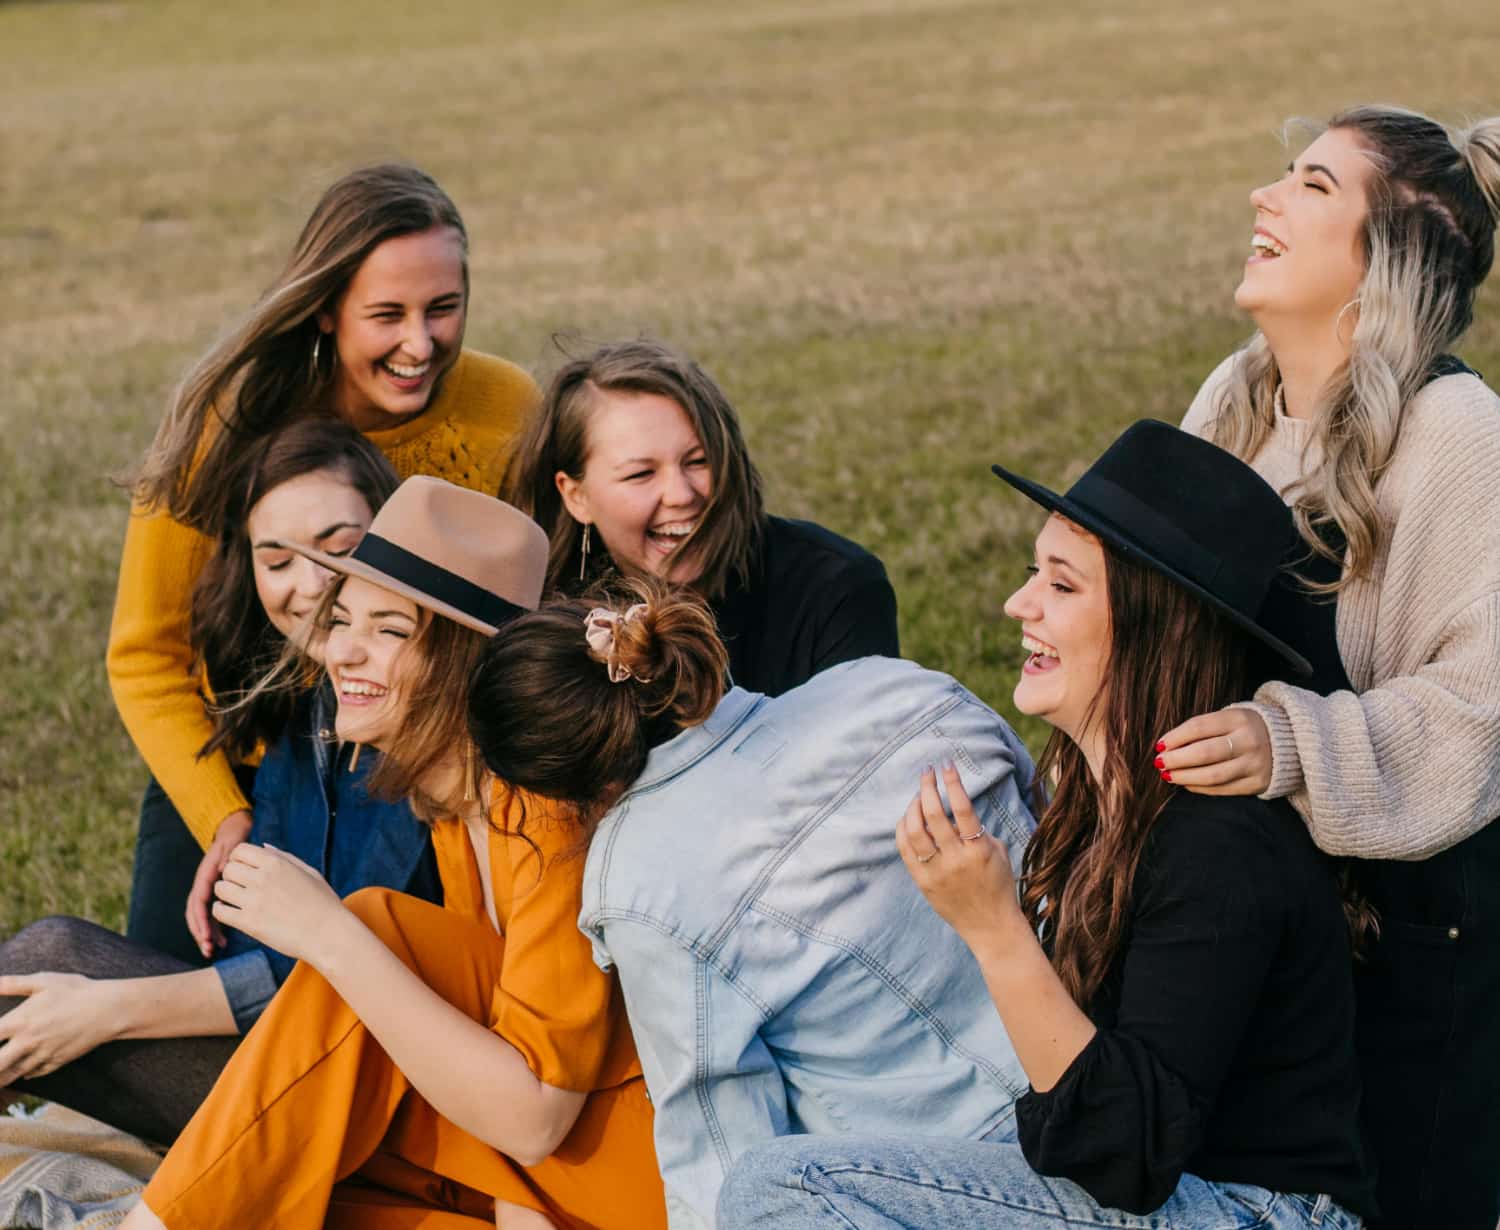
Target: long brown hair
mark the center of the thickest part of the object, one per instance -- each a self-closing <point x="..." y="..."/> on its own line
<point x="727" y="537"/>
<point x="546" y="717"/>
<point x="233" y="641"/>
<point x="1428" y="243"/>
<point x="270" y="366"/>
<point x="1171" y="656"/>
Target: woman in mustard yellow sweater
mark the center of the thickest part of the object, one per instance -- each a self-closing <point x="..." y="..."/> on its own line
<point x="366" y="323"/>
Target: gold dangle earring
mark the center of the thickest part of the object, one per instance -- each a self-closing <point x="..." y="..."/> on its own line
<point x="583" y="558"/>
<point x="354" y="759"/>
<point x="469" y="773"/>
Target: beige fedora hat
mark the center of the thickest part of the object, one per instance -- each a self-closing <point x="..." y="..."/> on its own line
<point x="467" y="556"/>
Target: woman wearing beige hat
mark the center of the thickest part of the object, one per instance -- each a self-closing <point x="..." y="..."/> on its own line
<point x="456" y="1064"/>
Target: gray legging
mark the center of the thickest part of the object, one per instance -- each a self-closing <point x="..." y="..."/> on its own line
<point x="150" y="1087"/>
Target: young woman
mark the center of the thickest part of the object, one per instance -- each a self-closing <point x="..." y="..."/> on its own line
<point x="1366" y="257"/>
<point x="1186" y="1018"/>
<point x="781" y="973"/>
<point x="458" y="1064"/>
<point x="365" y="324"/>
<point x="636" y="463"/>
<point x="132" y="1036"/>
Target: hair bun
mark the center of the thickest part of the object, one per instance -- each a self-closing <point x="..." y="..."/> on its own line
<point x="666" y="647"/>
<point x="1479" y="144"/>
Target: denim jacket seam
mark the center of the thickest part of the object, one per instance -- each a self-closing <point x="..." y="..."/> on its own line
<point x="913" y="1002"/>
<point x="856" y="779"/>
<point x="694" y="948"/>
<point x="710" y="746"/>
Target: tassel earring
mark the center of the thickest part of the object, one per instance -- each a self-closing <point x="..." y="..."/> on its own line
<point x="469" y="773"/>
<point x="354" y="759"/>
<point x="583" y="558"/>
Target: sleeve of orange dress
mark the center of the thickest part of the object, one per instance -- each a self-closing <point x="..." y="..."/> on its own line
<point x="554" y="1005"/>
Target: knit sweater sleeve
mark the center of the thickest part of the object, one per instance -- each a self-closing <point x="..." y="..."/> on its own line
<point x="149" y="662"/>
<point x="1410" y="765"/>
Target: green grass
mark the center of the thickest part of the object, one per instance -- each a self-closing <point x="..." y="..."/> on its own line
<point x="909" y="238"/>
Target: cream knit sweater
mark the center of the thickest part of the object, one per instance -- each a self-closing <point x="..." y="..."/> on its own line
<point x="1409" y="763"/>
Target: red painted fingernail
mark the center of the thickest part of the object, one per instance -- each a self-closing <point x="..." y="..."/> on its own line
<point x="1161" y="747"/>
<point x="1166" y="775"/>
<point x="1160" y="763"/>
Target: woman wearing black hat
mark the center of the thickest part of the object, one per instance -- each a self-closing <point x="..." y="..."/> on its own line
<point x="1367" y="256"/>
<point x="1186" y="1017"/>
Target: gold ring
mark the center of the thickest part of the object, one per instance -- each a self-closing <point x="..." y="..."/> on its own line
<point x="927" y="858"/>
<point x="971" y="836"/>
<point x="1231" y="746"/>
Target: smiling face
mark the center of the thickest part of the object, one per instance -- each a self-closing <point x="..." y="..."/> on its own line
<point x="321" y="509"/>
<point x="1307" y="249"/>
<point x="645" y="483"/>
<point x="398" y="327"/>
<point x="370" y="630"/>
<point x="1064" y="613"/>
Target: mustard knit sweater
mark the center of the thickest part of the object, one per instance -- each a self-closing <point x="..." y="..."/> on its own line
<point x="464" y="436"/>
<point x="1409" y="763"/>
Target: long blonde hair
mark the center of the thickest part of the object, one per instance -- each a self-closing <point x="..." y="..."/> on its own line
<point x="1429" y="242"/>
<point x="272" y="366"/>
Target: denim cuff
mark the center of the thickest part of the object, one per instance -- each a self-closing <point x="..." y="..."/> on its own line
<point x="248" y="985"/>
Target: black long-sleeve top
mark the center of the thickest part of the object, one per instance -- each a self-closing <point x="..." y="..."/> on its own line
<point x="814" y="600"/>
<point x="1225" y="1044"/>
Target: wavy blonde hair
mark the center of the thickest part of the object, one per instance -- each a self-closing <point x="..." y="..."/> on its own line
<point x="1429" y="242"/>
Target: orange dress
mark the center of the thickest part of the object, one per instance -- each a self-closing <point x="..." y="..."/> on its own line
<point x="311" y="1124"/>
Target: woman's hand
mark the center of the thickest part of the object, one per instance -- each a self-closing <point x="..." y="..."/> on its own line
<point x="276" y="898"/>
<point x="233" y="829"/>
<point x="1224" y="752"/>
<point x="962" y="871"/>
<point x="64" y="1016"/>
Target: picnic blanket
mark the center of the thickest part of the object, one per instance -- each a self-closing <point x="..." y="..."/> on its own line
<point x="60" y="1170"/>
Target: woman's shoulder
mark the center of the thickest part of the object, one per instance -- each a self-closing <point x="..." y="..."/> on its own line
<point x="795" y="546"/>
<point x="481" y="382"/>
<point x="1201" y="411"/>
<point x="1458" y="411"/>
<point x="1234" y="849"/>
<point x="1447" y="453"/>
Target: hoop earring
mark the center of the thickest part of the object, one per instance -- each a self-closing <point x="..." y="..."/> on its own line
<point x="317" y="353"/>
<point x="583" y="557"/>
<point x="1338" y="320"/>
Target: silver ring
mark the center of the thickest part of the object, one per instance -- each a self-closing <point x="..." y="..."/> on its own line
<point x="927" y="858"/>
<point x="971" y="836"/>
<point x="1231" y="746"/>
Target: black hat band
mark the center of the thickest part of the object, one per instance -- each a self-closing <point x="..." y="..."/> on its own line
<point x="435" y="581"/>
<point x="1144" y="524"/>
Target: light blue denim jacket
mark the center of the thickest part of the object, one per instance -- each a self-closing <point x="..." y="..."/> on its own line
<point x="781" y="971"/>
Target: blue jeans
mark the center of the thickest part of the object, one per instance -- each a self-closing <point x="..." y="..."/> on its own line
<point x="845" y="1183"/>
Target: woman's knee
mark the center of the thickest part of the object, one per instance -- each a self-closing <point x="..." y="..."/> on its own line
<point x="764" y="1183"/>
<point x="57" y="944"/>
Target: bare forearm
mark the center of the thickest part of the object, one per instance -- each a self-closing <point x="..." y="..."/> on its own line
<point x="1046" y="1027"/>
<point x="189" y="1005"/>
<point x="470" y="1075"/>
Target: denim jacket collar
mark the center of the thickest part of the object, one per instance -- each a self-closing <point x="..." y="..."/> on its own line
<point x="682" y="752"/>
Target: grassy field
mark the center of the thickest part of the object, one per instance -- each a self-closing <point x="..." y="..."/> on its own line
<point x="910" y="237"/>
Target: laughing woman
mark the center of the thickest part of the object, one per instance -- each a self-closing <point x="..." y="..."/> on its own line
<point x="458" y="1064"/>
<point x="134" y="1037"/>
<point x="1366" y="258"/>
<point x="636" y="463"/>
<point x="366" y="324"/>
<point x="1175" y="971"/>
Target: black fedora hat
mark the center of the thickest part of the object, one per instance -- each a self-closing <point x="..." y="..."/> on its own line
<point x="1189" y="510"/>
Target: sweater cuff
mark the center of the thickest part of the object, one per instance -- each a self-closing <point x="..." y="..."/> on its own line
<point x="1286" y="763"/>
